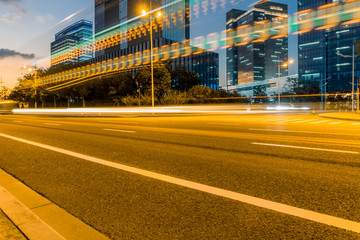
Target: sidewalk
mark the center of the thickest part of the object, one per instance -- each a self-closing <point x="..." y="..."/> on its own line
<point x="342" y="116"/>
<point x="25" y="214"/>
<point x="8" y="229"/>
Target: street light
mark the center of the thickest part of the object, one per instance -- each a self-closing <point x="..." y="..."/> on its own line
<point x="353" y="70"/>
<point x="35" y="70"/>
<point x="1" y="90"/>
<point x="285" y="65"/>
<point x="158" y="14"/>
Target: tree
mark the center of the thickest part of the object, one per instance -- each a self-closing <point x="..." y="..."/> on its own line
<point x="162" y="80"/>
<point x="296" y="87"/>
<point x="120" y="86"/>
<point x="83" y="91"/>
<point x="200" y="94"/>
<point x="183" y="79"/>
<point x="24" y="91"/>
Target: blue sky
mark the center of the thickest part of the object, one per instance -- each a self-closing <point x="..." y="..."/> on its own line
<point x="28" y="27"/>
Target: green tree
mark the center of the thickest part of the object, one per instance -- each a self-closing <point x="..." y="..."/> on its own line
<point x="200" y="94"/>
<point x="183" y="79"/>
<point x="83" y="91"/>
<point x="119" y="86"/>
<point x="260" y="92"/>
<point x="162" y="80"/>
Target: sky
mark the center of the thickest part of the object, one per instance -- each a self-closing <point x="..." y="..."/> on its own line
<point x="28" y="27"/>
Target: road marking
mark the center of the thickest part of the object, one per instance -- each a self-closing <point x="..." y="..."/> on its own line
<point x="293" y="131"/>
<point x="335" y="122"/>
<point x="308" y="148"/>
<point x="278" y="207"/>
<point x="352" y="123"/>
<point x="17" y="121"/>
<point x="52" y="124"/>
<point x="119" y="130"/>
<point x="320" y="121"/>
<point x="309" y="120"/>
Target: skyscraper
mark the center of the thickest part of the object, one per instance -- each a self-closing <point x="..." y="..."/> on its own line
<point x="319" y="42"/>
<point x="75" y="40"/>
<point x="258" y="57"/>
<point x="113" y="16"/>
<point x="122" y="19"/>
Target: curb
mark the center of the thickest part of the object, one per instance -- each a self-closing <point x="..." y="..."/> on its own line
<point x="22" y="217"/>
<point x="37" y="217"/>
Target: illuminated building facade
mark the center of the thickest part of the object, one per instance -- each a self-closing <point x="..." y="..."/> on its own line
<point x="123" y="18"/>
<point x="318" y="62"/>
<point x="256" y="59"/>
<point x="78" y="37"/>
<point x="232" y="51"/>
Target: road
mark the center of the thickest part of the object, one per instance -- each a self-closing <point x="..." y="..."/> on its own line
<point x="258" y="176"/>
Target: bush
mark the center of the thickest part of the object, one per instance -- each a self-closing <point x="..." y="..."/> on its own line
<point x="134" y="100"/>
<point x="175" y="98"/>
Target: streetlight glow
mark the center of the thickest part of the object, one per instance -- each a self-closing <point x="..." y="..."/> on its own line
<point x="143" y="12"/>
<point x="285" y="65"/>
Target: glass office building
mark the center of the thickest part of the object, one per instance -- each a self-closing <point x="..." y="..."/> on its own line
<point x="73" y="43"/>
<point x="256" y="60"/>
<point x="232" y="51"/>
<point x="122" y="19"/>
<point x="318" y="61"/>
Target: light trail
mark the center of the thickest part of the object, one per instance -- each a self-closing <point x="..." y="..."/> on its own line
<point x="324" y="17"/>
<point x="254" y="201"/>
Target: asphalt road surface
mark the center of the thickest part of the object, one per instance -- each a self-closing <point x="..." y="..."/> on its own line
<point x="269" y="176"/>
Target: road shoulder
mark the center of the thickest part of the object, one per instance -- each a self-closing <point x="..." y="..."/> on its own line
<point x="37" y="217"/>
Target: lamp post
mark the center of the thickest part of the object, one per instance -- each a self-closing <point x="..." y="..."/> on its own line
<point x="144" y="13"/>
<point x="285" y="64"/>
<point x="35" y="70"/>
<point x="323" y="83"/>
<point x="353" y="70"/>
<point x="1" y="90"/>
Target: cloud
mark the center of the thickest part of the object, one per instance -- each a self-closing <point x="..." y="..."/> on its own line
<point x="11" y="53"/>
<point x="40" y="19"/>
<point x="14" y="3"/>
<point x="10" y="18"/>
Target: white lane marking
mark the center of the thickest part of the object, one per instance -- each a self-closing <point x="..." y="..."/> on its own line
<point x="335" y="122"/>
<point x="309" y="120"/>
<point x="52" y="124"/>
<point x="17" y="121"/>
<point x="307" y="148"/>
<point x="320" y="121"/>
<point x="278" y="207"/>
<point x="290" y="120"/>
<point x="118" y="130"/>
<point x="292" y="131"/>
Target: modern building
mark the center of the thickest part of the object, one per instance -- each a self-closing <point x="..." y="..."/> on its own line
<point x="73" y="43"/>
<point x="318" y="45"/>
<point x="257" y="58"/>
<point x="269" y="86"/>
<point x="130" y="31"/>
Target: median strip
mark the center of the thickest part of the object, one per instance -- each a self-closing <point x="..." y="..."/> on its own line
<point x="307" y="148"/>
<point x="270" y="205"/>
